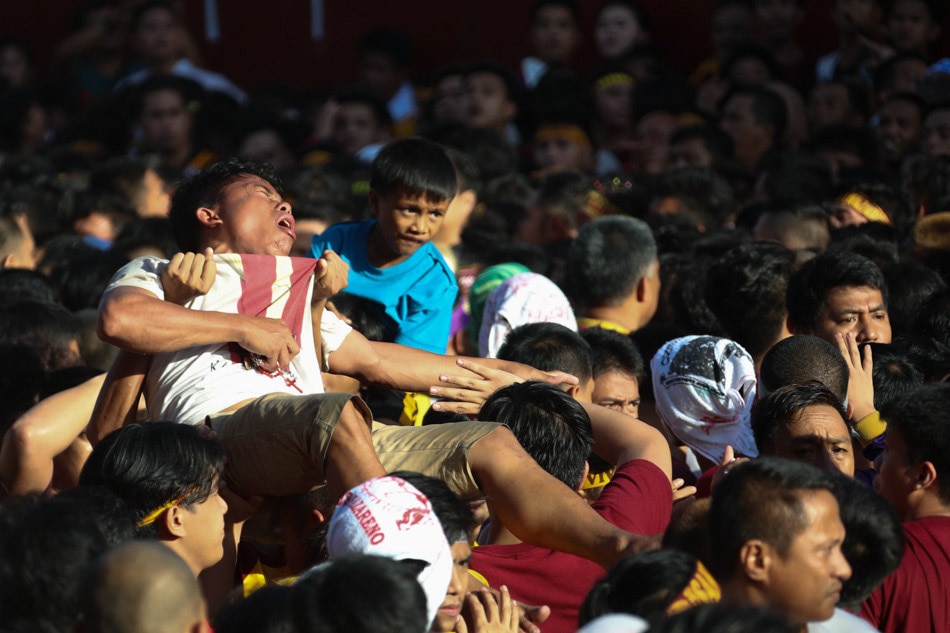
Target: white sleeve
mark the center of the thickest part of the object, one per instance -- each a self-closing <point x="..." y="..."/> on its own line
<point x="332" y="332"/>
<point x="142" y="272"/>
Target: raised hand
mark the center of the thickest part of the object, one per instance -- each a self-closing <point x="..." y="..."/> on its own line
<point x="188" y="275"/>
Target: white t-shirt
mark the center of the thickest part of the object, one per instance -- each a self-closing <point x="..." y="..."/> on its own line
<point x="841" y="622"/>
<point x="189" y="384"/>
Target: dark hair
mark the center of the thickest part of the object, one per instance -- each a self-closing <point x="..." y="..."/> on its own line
<point x="759" y="499"/>
<point x="359" y="96"/>
<point x="20" y="283"/>
<point x="145" y="233"/>
<point x="796" y="176"/>
<point x="704" y="196"/>
<point x="751" y="50"/>
<point x="886" y="72"/>
<point x="115" y="516"/>
<point x="203" y="189"/>
<point x="45" y="545"/>
<point x="687" y="294"/>
<point x="767" y="108"/>
<point x="782" y="406"/>
<point x="48" y="328"/>
<point x="359" y="594"/>
<point x="454" y="514"/>
<point x="392" y="43"/>
<point x="608" y="259"/>
<point x="726" y="618"/>
<point x="910" y="286"/>
<point x="548" y="423"/>
<point x="643" y="585"/>
<point x="844" y="138"/>
<point x="22" y="378"/>
<point x="367" y="316"/>
<point x="150" y="465"/>
<point x="889" y="197"/>
<point x="717" y="142"/>
<point x="548" y="347"/>
<point x="139" y="13"/>
<point x="874" y="539"/>
<point x="933" y="320"/>
<point x="81" y="276"/>
<point x="612" y="351"/>
<point x="745" y="289"/>
<point x="802" y="358"/>
<point x="415" y="166"/>
<point x="929" y="182"/>
<point x="493" y="156"/>
<point x="267" y="610"/>
<point x="512" y="90"/>
<point x="570" y="5"/>
<point x="920" y="417"/>
<point x="563" y="194"/>
<point x="809" y="286"/>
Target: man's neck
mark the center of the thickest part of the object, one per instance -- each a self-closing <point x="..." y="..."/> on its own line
<point x="624" y="315"/>
<point x="498" y="534"/>
<point x="930" y="505"/>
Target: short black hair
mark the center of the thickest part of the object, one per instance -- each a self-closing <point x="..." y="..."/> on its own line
<point x="894" y="374"/>
<point x="886" y="73"/>
<point x="548" y="423"/>
<point x="717" y="142"/>
<point x="570" y="5"/>
<point x="416" y="166"/>
<point x="782" y="406"/>
<point x="612" y="351"/>
<point x="704" y="195"/>
<point x="512" y="90"/>
<point x="607" y="260"/>
<point x="809" y="286"/>
<point x="48" y="328"/>
<point x="267" y="610"/>
<point x="202" y="190"/>
<point x="139" y="13"/>
<point x="20" y="283"/>
<point x="745" y="289"/>
<point x="548" y="347"/>
<point x="150" y="465"/>
<point x="360" y="593"/>
<point x="759" y="499"/>
<point x="801" y="358"/>
<point x="643" y="585"/>
<point x="726" y="618"/>
<point x="767" y="108"/>
<point x="361" y="96"/>
<point x="873" y="541"/>
<point x="920" y="417"/>
<point x="933" y="320"/>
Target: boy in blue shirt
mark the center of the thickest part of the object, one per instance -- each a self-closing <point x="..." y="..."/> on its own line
<point x="391" y="259"/>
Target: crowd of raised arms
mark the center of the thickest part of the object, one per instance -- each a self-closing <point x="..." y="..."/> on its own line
<point x="502" y="348"/>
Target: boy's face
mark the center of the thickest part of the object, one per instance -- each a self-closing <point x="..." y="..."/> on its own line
<point x="405" y="223"/>
<point x="157" y="35"/>
<point x="554" y="35"/>
<point x="910" y="26"/>
<point x="447" y="617"/>
<point x="898" y="130"/>
<point x="829" y="105"/>
<point x="487" y="102"/>
<point x="732" y="26"/>
<point x="165" y="120"/>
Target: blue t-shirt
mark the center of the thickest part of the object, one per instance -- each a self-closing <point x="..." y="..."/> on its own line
<point x="416" y="296"/>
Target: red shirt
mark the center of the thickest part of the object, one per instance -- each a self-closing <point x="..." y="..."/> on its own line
<point x="916" y="597"/>
<point x="637" y="499"/>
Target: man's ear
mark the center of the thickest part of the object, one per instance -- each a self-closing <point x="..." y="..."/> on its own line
<point x="208" y="218"/>
<point x="9" y="261"/>
<point x="926" y="476"/>
<point x="315" y="518"/>
<point x="580" y="486"/>
<point x="173" y="522"/>
<point x="754" y="560"/>
<point x="792" y="329"/>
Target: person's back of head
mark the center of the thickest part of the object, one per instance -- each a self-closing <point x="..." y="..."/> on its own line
<point x="48" y="328"/>
<point x="607" y="260"/>
<point x="548" y="423"/>
<point x="933" y="320"/>
<point x="723" y="618"/>
<point x="19" y="283"/>
<point x="45" y="545"/>
<point x="873" y="542"/>
<point x="745" y="289"/>
<point x="801" y="358"/>
<point x="141" y="587"/>
<point x="521" y="300"/>
<point x="909" y="285"/>
<point x="360" y="594"/>
<point x="799" y="227"/>
<point x="153" y="467"/>
<point x="797" y="175"/>
<point x="918" y="441"/>
<point x="811" y="285"/>
<point x="894" y="374"/>
<point x="82" y="277"/>
<point x="699" y="193"/>
<point x="549" y="347"/>
<point x="647" y="585"/>
<point x="414" y="166"/>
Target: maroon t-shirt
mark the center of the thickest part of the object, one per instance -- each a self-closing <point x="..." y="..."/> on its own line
<point x="916" y="597"/>
<point x="637" y="499"/>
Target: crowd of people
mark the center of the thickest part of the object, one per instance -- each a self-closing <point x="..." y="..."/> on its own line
<point x="508" y="348"/>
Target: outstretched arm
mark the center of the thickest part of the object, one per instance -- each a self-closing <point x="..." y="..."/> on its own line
<point x="118" y="399"/>
<point x="619" y="439"/>
<point x="42" y="433"/>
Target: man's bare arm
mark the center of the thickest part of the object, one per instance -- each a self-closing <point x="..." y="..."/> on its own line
<point x="136" y="320"/>
<point x="619" y="439"/>
<point x="118" y="399"/>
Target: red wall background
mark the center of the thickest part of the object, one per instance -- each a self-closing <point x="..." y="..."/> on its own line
<point x="269" y="42"/>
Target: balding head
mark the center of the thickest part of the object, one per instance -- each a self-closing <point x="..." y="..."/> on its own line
<point x="142" y="587"/>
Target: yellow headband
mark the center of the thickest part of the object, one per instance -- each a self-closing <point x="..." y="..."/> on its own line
<point x="613" y="79"/>
<point x="150" y="518"/>
<point x="701" y="589"/>
<point x="571" y="133"/>
<point x="865" y="207"/>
